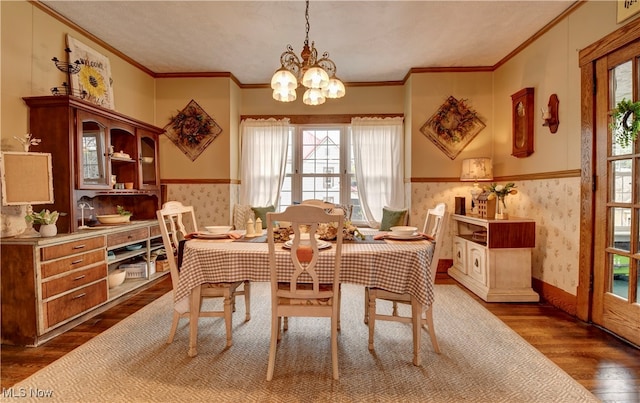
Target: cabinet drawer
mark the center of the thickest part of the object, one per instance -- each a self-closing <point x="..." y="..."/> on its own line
<point x="476" y="262"/>
<point x="65" y="249"/>
<point x="73" y="280"/>
<point x="75" y="303"/>
<point x="120" y="238"/>
<point x="72" y="262"/>
<point x="459" y="254"/>
<point x="154" y="231"/>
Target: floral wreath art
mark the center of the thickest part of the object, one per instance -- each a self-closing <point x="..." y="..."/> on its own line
<point x="192" y="130"/>
<point x="623" y="131"/>
<point x="452" y="126"/>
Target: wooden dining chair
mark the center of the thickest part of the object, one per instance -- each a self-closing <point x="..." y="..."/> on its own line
<point x="174" y="218"/>
<point x="434" y="227"/>
<point x="304" y="293"/>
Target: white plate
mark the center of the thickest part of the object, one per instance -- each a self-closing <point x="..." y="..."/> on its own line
<point x="321" y="244"/>
<point x="404" y="237"/>
<point x="207" y="235"/>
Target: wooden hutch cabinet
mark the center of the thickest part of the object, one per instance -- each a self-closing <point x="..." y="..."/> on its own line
<point x="91" y="145"/>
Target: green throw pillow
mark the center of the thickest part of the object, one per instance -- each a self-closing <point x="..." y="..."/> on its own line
<point x="392" y="218"/>
<point x="261" y="212"/>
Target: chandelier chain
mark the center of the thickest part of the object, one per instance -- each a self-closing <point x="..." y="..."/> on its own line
<point x="307" y="25"/>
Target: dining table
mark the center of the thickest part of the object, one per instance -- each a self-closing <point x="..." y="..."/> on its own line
<point x="396" y="265"/>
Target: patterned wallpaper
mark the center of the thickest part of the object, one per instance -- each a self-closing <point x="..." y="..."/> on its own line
<point x="211" y="202"/>
<point x="553" y="203"/>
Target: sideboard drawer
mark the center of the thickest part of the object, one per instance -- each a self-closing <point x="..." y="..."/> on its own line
<point x="65" y="249"/>
<point x="72" y="262"/>
<point x="120" y="238"/>
<point x="154" y="231"/>
<point x="74" y="303"/>
<point x="73" y="280"/>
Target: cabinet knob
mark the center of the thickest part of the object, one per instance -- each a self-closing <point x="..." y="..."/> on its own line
<point x="476" y="263"/>
<point x="459" y="254"/>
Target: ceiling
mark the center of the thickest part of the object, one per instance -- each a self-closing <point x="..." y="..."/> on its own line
<point x="370" y="41"/>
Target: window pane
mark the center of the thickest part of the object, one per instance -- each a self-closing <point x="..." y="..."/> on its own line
<point x="622" y="83"/>
<point x="622" y="186"/>
<point x="621" y="228"/>
<point x="620" y="276"/>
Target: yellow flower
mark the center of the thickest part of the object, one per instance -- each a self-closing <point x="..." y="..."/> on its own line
<point x="92" y="81"/>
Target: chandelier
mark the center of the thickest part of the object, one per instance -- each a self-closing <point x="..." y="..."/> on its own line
<point x="317" y="75"/>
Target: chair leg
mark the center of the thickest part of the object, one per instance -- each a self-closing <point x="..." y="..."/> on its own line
<point x="285" y="326"/>
<point x="275" y="331"/>
<point x="228" y="310"/>
<point x="247" y="301"/>
<point x="416" y="321"/>
<point x="395" y="309"/>
<point x="339" y="304"/>
<point x="174" y="326"/>
<point x="371" y="303"/>
<point x="366" y="305"/>
<point x="334" y="344"/>
<point x="432" y="330"/>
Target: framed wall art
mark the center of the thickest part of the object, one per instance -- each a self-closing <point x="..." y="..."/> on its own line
<point x="94" y="76"/>
<point x="453" y="126"/>
<point x="192" y="130"/>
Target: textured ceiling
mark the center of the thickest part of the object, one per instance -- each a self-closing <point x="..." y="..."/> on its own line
<point x="369" y="41"/>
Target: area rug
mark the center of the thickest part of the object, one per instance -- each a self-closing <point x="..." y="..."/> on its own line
<point x="481" y="360"/>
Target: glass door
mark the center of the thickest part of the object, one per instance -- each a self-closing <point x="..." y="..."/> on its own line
<point x="148" y="147"/>
<point x="92" y="170"/>
<point x="617" y="201"/>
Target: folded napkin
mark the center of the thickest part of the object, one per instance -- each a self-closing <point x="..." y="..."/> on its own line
<point x="206" y="235"/>
<point x="386" y="235"/>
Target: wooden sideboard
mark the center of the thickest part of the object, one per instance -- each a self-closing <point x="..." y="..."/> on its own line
<point x="492" y="258"/>
<point x="50" y="285"/>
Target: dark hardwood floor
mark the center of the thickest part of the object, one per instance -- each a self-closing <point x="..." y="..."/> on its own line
<point x="605" y="365"/>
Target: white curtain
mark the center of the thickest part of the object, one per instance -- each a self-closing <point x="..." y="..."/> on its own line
<point x="263" y="160"/>
<point x="377" y="148"/>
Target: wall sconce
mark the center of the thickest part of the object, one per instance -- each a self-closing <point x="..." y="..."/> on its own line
<point x="550" y="115"/>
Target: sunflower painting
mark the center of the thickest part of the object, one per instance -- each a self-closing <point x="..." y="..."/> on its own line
<point x="192" y="130"/>
<point x="94" y="77"/>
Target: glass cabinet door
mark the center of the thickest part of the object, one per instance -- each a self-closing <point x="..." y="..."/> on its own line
<point x="148" y="166"/>
<point x="92" y="153"/>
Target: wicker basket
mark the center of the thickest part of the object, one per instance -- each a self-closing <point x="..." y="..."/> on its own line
<point x="135" y="270"/>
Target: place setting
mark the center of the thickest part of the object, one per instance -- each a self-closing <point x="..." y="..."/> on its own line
<point x="403" y="233"/>
<point x="215" y="232"/>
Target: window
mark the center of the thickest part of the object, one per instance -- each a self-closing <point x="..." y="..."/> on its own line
<point x="320" y="166"/>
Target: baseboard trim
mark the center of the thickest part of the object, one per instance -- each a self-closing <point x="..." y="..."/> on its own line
<point x="556" y="297"/>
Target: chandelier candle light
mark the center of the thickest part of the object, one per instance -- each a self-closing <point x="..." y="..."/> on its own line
<point x="317" y="75"/>
<point x="476" y="169"/>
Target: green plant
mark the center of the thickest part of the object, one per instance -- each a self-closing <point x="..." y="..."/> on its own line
<point x="122" y="211"/>
<point x="43" y="217"/>
<point x="625" y="131"/>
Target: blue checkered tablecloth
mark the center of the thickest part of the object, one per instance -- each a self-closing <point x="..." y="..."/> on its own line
<point x="396" y="266"/>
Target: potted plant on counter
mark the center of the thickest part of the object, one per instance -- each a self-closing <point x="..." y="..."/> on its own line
<point x="47" y="221"/>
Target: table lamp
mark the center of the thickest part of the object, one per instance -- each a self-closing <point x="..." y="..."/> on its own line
<point x="27" y="179"/>
<point x="476" y="169"/>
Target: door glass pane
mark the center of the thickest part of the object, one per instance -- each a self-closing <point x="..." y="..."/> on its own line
<point x="622" y="85"/>
<point x="622" y="185"/>
<point x="620" y="276"/>
<point x="621" y="219"/>
<point x="93" y="161"/>
<point x="147" y="158"/>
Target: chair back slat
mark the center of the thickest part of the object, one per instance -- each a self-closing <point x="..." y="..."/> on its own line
<point x="173" y="220"/>
<point x="435" y="226"/>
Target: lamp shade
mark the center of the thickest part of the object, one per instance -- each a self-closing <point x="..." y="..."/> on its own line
<point x="335" y="89"/>
<point x="285" y="95"/>
<point x="283" y="78"/>
<point x="313" y="96"/>
<point x="476" y="169"/>
<point x="315" y="77"/>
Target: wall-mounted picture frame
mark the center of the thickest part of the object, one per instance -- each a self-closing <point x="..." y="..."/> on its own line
<point x="94" y="77"/>
<point x="27" y="178"/>
<point x="453" y="126"/>
<point x="192" y="130"/>
<point x="522" y="119"/>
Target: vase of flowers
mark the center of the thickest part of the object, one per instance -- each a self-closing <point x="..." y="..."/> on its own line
<point x="501" y="192"/>
<point x="47" y="221"/>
